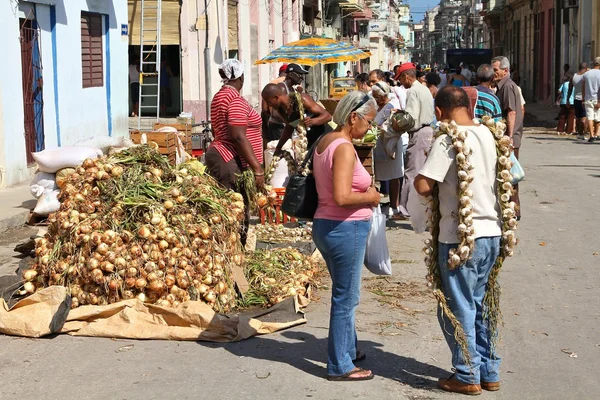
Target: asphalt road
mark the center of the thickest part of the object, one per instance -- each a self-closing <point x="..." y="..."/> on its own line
<point x="550" y="341"/>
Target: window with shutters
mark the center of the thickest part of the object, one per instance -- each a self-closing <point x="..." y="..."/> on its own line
<point x="92" y="64"/>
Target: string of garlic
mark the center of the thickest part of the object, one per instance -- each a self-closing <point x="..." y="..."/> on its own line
<point x="465" y="231"/>
<point x="291" y="165"/>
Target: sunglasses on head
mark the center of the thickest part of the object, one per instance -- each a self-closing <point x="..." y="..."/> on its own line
<point x="362" y="103"/>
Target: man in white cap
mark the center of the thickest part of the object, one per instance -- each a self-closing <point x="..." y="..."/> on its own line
<point x="419" y="105"/>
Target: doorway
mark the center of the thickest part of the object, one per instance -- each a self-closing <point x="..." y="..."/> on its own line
<point x="31" y="77"/>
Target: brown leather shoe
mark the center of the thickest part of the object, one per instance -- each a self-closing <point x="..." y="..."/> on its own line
<point x="454" y="385"/>
<point x="490" y="386"/>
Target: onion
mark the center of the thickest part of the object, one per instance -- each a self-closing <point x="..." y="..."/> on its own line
<point x="175" y="192"/>
<point x="29" y="287"/>
<point x="163" y="244"/>
<point x="116" y="171"/>
<point x="224" y="299"/>
<point x="88" y="163"/>
<point x="102" y="248"/>
<point x="156" y="286"/>
<point x="114" y="285"/>
<point x="180" y="199"/>
<point x="168" y="204"/>
<point x="107" y="266"/>
<point x="29" y="275"/>
<point x="156" y="219"/>
<point x="205" y="232"/>
<point x="262" y="201"/>
<point x="140" y="283"/>
<point x="169" y="280"/>
<point x="156" y="172"/>
<point x="141" y="297"/>
<point x="210" y="296"/>
<point x="221" y="287"/>
<point x="130" y="282"/>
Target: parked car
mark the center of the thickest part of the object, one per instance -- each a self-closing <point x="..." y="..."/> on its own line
<point x="339" y="87"/>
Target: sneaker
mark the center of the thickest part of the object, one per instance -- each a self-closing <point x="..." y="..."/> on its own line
<point x="592" y="139"/>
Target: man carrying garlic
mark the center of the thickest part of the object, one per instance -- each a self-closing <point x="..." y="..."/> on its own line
<point x="472" y="225"/>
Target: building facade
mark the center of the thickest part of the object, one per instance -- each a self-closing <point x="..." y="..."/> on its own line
<point x="64" y="77"/>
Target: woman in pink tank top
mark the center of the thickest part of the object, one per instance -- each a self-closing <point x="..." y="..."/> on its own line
<point x="341" y="226"/>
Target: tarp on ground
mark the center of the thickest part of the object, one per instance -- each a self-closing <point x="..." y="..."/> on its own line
<point x="48" y="312"/>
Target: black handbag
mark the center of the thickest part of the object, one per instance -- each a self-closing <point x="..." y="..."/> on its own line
<point x="301" y="198"/>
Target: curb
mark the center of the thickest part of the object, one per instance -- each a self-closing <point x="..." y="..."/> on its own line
<point x="18" y="219"/>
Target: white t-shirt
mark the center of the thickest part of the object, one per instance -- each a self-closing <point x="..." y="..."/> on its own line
<point x="444" y="80"/>
<point x="467" y="74"/>
<point x="441" y="167"/>
<point x="578" y="86"/>
<point x="592" y="84"/>
<point x="400" y="92"/>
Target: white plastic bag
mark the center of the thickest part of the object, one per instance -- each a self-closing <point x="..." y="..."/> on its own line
<point x="281" y="174"/>
<point x="418" y="210"/>
<point x="48" y="203"/>
<point x="64" y="157"/>
<point x="377" y="256"/>
<point x="42" y="182"/>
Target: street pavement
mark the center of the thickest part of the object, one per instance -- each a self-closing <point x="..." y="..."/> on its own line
<point x="550" y="341"/>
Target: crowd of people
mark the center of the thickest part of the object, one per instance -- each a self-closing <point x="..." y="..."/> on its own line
<point x="404" y="104"/>
<point x="578" y="98"/>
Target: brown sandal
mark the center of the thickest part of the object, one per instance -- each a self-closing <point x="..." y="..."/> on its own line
<point x="347" y="377"/>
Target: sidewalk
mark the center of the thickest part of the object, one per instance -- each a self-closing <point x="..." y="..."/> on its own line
<point x="15" y="205"/>
<point x="541" y="117"/>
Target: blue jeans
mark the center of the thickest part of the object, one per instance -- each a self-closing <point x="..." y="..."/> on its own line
<point x="342" y="244"/>
<point x="464" y="289"/>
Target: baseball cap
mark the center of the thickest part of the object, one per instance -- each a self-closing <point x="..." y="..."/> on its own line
<point x="403" y="68"/>
<point x="283" y="68"/>
<point x="597" y="61"/>
<point x="297" y="69"/>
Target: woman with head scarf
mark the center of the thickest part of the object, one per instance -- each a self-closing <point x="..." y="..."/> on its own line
<point x="237" y="130"/>
<point x="389" y="165"/>
<point x="341" y="226"/>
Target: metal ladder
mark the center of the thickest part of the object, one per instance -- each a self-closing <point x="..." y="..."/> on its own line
<point x="150" y="23"/>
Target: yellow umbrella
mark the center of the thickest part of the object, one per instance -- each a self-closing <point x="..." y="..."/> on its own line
<point x="314" y="51"/>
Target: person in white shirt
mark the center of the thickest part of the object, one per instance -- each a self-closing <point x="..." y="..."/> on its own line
<point x="466" y="285"/>
<point x="443" y="78"/>
<point x="466" y="73"/>
<point x="577" y="83"/>
<point x="591" y="97"/>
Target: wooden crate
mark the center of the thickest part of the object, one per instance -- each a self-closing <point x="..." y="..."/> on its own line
<point x="166" y="141"/>
<point x="365" y="155"/>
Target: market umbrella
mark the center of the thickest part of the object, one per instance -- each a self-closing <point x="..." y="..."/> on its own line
<point x="314" y="51"/>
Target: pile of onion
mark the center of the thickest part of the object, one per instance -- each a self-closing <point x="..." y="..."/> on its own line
<point x="132" y="226"/>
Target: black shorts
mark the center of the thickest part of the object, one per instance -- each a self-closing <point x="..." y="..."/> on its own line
<point x="579" y="109"/>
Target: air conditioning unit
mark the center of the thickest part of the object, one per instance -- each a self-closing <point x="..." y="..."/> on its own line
<point x="570" y="3"/>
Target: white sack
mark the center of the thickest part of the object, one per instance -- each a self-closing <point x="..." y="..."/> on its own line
<point x="48" y="203"/>
<point x="42" y="182"/>
<point x="64" y="157"/>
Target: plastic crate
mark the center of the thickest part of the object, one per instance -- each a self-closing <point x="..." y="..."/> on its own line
<point x="273" y="214"/>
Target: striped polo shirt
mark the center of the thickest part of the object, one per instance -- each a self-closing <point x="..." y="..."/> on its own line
<point x="229" y="108"/>
<point x="487" y="104"/>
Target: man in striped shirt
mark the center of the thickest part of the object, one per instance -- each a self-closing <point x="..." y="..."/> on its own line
<point x="487" y="101"/>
